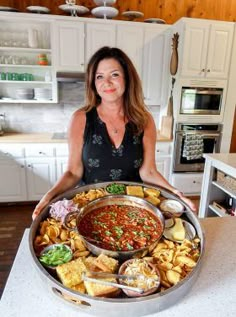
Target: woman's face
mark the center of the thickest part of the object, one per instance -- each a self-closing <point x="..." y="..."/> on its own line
<point x="110" y="80"/>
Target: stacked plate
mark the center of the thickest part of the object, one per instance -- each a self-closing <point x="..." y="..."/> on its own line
<point x="24" y="93"/>
<point x="42" y="94"/>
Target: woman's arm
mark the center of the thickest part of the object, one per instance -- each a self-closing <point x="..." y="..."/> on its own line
<point x="74" y="171"/>
<point x="148" y="171"/>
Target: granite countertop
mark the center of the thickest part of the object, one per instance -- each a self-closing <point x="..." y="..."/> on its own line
<point x="48" y="138"/>
<point x="212" y="295"/>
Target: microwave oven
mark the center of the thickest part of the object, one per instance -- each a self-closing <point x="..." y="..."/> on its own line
<point x="201" y="100"/>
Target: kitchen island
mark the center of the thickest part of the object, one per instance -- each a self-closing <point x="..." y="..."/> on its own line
<point x="213" y="293"/>
<point x="219" y="184"/>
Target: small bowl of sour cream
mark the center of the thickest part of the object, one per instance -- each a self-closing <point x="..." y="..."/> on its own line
<point x="172" y="206"/>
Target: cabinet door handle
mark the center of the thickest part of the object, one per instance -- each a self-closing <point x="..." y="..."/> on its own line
<point x="40" y="152"/>
<point x="208" y="70"/>
<point x="29" y="165"/>
<point x="203" y="70"/>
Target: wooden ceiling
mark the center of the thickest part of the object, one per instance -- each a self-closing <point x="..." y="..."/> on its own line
<point x="169" y="10"/>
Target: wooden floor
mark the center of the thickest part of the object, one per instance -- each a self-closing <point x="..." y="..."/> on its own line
<point x="14" y="219"/>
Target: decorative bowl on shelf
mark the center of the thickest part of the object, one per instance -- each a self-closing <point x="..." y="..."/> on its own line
<point x="155" y="20"/>
<point x="105" y="12"/>
<point x="74" y="10"/>
<point x="38" y="9"/>
<point x="104" y="2"/>
<point x="132" y="15"/>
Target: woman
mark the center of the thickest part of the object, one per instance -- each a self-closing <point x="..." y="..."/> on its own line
<point x="113" y="136"/>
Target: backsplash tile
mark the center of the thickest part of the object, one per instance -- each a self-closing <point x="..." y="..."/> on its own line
<point x="36" y="118"/>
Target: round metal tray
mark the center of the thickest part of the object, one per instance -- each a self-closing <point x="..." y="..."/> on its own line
<point x="118" y="306"/>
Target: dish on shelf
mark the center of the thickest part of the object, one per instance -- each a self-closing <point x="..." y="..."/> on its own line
<point x="190" y="232"/>
<point x="42" y="94"/>
<point x="131" y="15"/>
<point x="3" y="8"/>
<point x="38" y="9"/>
<point x="104" y="2"/>
<point x="71" y="8"/>
<point x="105" y="12"/>
<point x="155" y="20"/>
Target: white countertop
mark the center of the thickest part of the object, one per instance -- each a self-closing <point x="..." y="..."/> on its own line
<point x="47" y="138"/>
<point x="213" y="294"/>
<point x="224" y="161"/>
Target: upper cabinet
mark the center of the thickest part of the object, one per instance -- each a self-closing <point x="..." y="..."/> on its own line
<point x="97" y="36"/>
<point x="205" y="47"/>
<point x="26" y="61"/>
<point x="69" y="46"/>
<point x="130" y="40"/>
<point x="155" y="65"/>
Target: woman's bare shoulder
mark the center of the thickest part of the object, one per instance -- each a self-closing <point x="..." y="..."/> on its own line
<point x="77" y="122"/>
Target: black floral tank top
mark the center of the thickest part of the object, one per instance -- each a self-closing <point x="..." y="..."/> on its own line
<point x="102" y="160"/>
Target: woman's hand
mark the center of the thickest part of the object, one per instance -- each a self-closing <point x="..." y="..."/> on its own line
<point x="188" y="201"/>
<point x="39" y="207"/>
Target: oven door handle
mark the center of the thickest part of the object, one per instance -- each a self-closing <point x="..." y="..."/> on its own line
<point x="204" y="135"/>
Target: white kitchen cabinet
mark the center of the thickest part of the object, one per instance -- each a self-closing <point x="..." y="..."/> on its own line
<point x="163" y="166"/>
<point x="40" y="175"/>
<point x="205" y="47"/>
<point x="130" y="40"/>
<point x="13" y="180"/>
<point x="188" y="183"/>
<point x="12" y="171"/>
<point x="20" y="60"/>
<point x="97" y="36"/>
<point x="62" y="153"/>
<point x="154" y="64"/>
<point x="163" y="158"/>
<point x="61" y="166"/>
<point x="219" y="185"/>
<point x="69" y="46"/>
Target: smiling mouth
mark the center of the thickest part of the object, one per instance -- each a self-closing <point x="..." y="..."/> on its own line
<point x="109" y="90"/>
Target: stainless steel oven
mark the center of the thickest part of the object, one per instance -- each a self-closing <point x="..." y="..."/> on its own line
<point x="201" y="100"/>
<point x="191" y="142"/>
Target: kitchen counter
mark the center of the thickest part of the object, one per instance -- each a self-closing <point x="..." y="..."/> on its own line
<point x="214" y="189"/>
<point x="212" y="295"/>
<point x="47" y="138"/>
<point x="30" y="138"/>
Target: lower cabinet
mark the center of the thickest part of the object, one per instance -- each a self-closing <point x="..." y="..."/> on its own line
<point x="163" y="166"/>
<point x="13" y="180"/>
<point x="40" y="176"/>
<point x="28" y="171"/>
<point x="188" y="183"/>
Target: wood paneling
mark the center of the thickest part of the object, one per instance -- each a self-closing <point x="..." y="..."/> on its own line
<point x="169" y="10"/>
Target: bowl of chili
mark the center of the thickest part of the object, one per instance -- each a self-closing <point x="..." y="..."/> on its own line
<point x="120" y="226"/>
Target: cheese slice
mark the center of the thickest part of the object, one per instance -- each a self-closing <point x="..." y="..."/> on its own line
<point x="178" y="230"/>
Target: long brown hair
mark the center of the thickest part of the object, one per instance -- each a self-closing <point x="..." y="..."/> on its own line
<point x="134" y="108"/>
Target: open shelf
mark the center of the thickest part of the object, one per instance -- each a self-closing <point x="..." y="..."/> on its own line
<point x="225" y="189"/>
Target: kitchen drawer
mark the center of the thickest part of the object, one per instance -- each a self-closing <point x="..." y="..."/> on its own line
<point x="39" y="150"/>
<point x="11" y="150"/>
<point x="188" y="183"/>
<point x="62" y="150"/>
<point x="163" y="148"/>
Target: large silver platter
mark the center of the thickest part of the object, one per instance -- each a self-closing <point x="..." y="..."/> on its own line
<point x="118" y="306"/>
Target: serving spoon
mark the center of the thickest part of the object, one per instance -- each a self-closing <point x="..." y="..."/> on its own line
<point x="99" y="281"/>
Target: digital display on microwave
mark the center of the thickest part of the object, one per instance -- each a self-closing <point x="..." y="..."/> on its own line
<point x="201" y="100"/>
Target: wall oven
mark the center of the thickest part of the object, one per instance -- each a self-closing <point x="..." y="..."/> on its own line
<point x="200" y="100"/>
<point x="191" y="142"/>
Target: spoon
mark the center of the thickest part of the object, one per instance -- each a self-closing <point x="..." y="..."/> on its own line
<point x="94" y="280"/>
